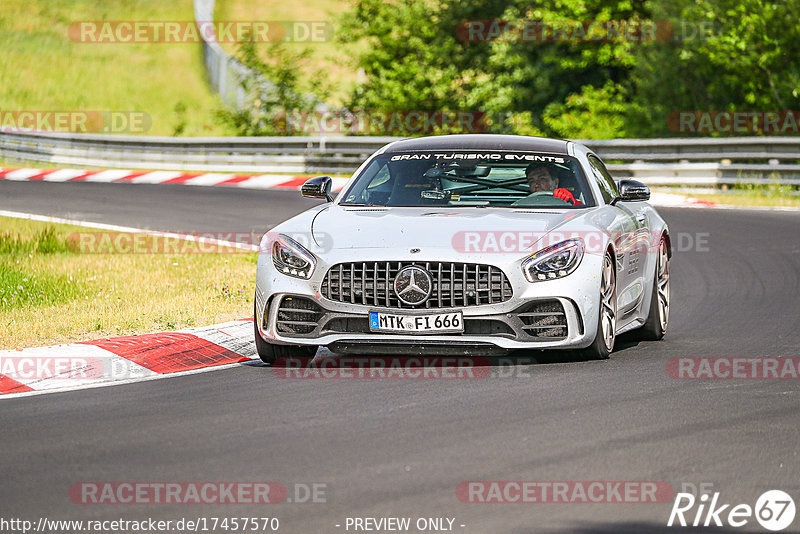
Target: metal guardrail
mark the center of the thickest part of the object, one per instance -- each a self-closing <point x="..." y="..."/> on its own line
<point x="225" y="73"/>
<point x="654" y="161"/>
<point x="296" y="155"/>
<point x="699" y="149"/>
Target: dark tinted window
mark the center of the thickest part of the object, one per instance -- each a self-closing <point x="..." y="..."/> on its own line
<point x="466" y="179"/>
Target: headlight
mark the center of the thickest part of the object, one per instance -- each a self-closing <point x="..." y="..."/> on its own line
<point x="554" y="262"/>
<point x="291" y="258"/>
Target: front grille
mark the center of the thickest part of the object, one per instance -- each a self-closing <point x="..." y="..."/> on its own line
<point x="454" y="284"/>
<point x="298" y="315"/>
<point x="544" y="319"/>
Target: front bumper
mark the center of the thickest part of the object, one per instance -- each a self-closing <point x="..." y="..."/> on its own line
<point x="488" y="328"/>
<point x="539" y="323"/>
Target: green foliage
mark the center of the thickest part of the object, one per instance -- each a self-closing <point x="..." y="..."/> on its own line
<point x="45" y="241"/>
<point x="275" y="93"/>
<point x="727" y="55"/>
<point x="413" y="58"/>
<point x="594" y="113"/>
<point x="533" y="75"/>
<point x="723" y="55"/>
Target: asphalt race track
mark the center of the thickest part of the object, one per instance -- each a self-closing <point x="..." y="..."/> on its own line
<point x="399" y="448"/>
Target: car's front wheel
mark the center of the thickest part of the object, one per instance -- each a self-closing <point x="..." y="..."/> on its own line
<point x="606" y="334"/>
<point x="270" y="353"/>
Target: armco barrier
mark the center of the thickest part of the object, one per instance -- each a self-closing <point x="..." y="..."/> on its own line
<point x="225" y="73"/>
<point x="672" y="161"/>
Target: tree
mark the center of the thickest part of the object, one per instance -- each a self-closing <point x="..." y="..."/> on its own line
<point x="275" y="92"/>
<point x="722" y="55"/>
<point x="412" y="56"/>
<point x="420" y="54"/>
<point x="726" y="55"/>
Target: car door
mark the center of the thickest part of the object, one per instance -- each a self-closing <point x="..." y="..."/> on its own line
<point x="631" y="241"/>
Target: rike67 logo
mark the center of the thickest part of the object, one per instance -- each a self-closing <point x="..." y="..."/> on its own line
<point x="774" y="510"/>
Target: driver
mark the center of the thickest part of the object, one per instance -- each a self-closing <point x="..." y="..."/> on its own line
<point x="540" y="180"/>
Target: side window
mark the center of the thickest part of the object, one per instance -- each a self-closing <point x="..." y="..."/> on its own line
<point x="377" y="175"/>
<point x="381" y="177"/>
<point x="608" y="187"/>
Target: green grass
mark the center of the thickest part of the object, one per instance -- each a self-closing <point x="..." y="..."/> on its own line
<point x="44" y="70"/>
<point x="25" y="289"/>
<point x="44" y="241"/>
<point x="53" y="290"/>
<point x="329" y="56"/>
<point x="22" y="288"/>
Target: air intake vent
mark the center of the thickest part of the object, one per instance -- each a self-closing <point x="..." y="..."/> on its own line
<point x="544" y="319"/>
<point x="298" y="316"/>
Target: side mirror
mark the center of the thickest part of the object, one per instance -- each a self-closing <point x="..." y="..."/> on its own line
<point x="632" y="191"/>
<point x="319" y="187"/>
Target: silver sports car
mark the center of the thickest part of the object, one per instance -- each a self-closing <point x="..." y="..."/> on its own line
<point x="466" y="245"/>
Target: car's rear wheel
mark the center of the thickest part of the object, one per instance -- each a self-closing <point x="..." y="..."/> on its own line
<point x="270" y="353"/>
<point x="606" y="334"/>
<point x="658" y="316"/>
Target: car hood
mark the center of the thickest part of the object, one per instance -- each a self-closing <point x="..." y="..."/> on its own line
<point x="337" y="227"/>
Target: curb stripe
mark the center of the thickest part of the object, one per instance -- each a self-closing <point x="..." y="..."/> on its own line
<point x="247" y="181"/>
<point x="155" y="177"/>
<point x="237" y="179"/>
<point x="168" y="352"/>
<point x="209" y="179"/>
<point x="128" y="177"/>
<point x="21" y="175"/>
<point x="63" y="175"/>
<point x="9" y="385"/>
<point x="294" y="183"/>
<point x="182" y="178"/>
<point x="62" y="366"/>
<point x="39" y="176"/>
<point x="126" y="359"/>
<point x="264" y="181"/>
<point x="82" y="177"/>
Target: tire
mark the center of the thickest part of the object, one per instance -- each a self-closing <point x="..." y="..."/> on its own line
<point x="606" y="334"/>
<point x="658" y="315"/>
<point x="270" y="353"/>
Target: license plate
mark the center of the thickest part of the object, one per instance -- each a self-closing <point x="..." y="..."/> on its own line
<point x="435" y="323"/>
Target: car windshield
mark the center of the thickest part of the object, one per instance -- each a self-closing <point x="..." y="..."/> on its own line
<point x="477" y="179"/>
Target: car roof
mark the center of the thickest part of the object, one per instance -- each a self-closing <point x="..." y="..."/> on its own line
<point x="511" y="143"/>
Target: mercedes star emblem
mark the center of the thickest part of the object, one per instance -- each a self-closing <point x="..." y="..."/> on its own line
<point x="413" y="285"/>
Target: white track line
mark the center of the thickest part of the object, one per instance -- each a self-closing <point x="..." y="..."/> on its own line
<point x="128" y="229"/>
